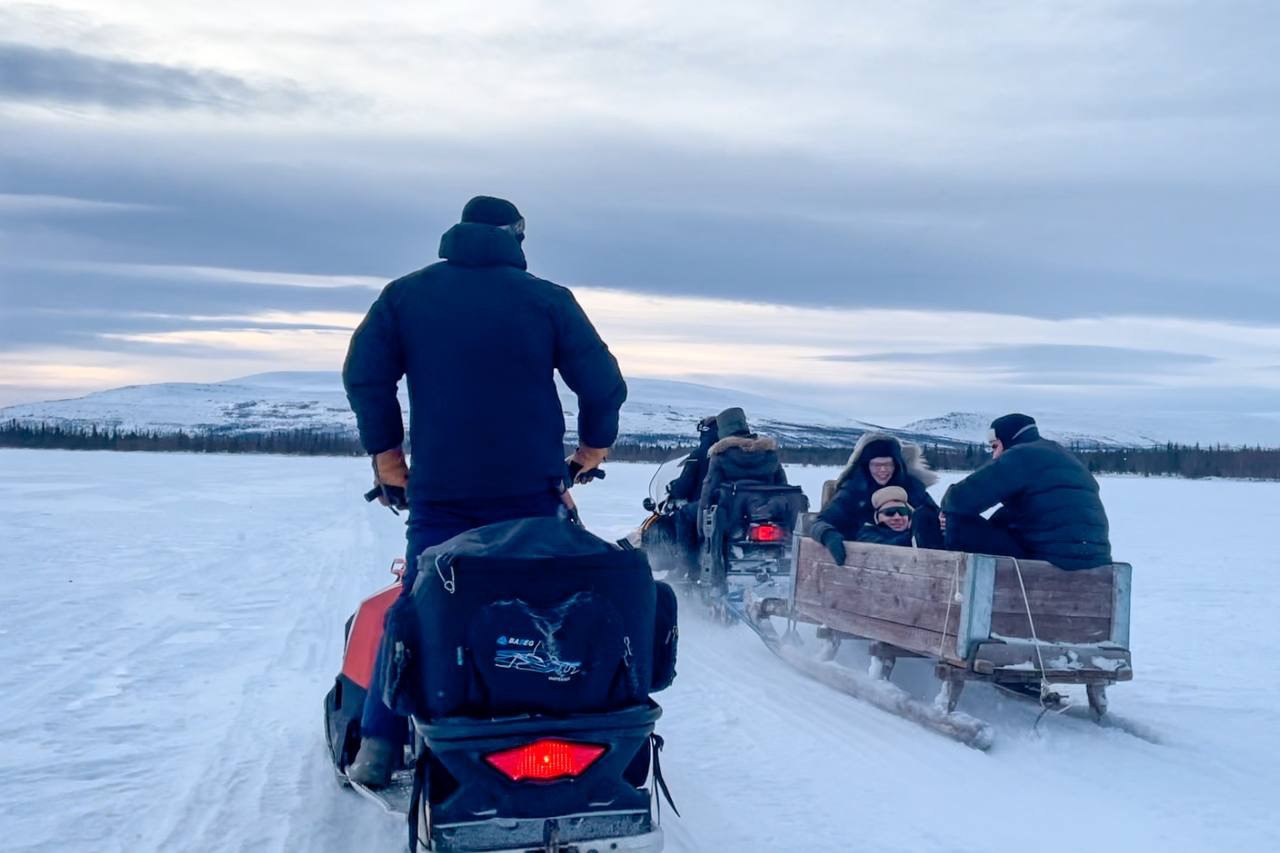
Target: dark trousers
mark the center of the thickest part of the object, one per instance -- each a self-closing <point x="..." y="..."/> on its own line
<point x="977" y="535"/>
<point x="429" y="525"/>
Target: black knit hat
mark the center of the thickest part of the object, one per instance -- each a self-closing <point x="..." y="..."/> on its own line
<point x="878" y="448"/>
<point x="487" y="210"/>
<point x="1013" y="428"/>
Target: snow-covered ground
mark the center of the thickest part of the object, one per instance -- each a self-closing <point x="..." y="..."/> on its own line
<point x="171" y="623"/>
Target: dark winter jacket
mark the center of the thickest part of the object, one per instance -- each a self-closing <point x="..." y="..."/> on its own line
<point x="880" y="534"/>
<point x="1050" y="502"/>
<point x="851" y="508"/>
<point x="738" y="458"/>
<point x="478" y="340"/>
<point x="688" y="486"/>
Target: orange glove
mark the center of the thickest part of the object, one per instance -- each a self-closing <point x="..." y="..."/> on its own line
<point x="584" y="460"/>
<point x="392" y="472"/>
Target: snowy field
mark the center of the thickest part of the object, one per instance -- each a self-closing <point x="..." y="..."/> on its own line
<point x="170" y="624"/>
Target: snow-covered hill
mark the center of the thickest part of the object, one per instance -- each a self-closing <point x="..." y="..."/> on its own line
<point x="657" y="411"/>
<point x="1117" y="429"/>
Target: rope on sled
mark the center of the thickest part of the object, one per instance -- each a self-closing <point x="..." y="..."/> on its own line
<point x="1035" y="641"/>
<point x="946" y="620"/>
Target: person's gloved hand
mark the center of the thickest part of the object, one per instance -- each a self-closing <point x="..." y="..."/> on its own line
<point x="834" y="542"/>
<point x="584" y="461"/>
<point x="391" y="478"/>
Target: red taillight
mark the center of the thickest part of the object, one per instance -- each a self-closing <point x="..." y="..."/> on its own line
<point x="545" y="759"/>
<point x="766" y="533"/>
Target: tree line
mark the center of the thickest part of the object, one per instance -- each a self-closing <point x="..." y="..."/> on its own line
<point x="1178" y="460"/>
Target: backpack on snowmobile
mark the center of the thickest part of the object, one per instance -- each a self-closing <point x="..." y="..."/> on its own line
<point x="526" y="653"/>
<point x="747" y="535"/>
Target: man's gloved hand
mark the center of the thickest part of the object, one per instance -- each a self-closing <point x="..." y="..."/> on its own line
<point x="834" y="542"/>
<point x="391" y="478"/>
<point x="584" y="461"/>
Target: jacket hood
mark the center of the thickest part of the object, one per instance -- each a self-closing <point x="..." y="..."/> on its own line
<point x="472" y="244"/>
<point x="749" y="443"/>
<point x="909" y="458"/>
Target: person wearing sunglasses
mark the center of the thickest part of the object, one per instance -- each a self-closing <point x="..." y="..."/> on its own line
<point x="893" y="519"/>
<point x="1050" y="506"/>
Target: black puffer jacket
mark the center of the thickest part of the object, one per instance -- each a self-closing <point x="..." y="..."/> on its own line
<point x="479" y="341"/>
<point x="880" y="534"/>
<point x="688" y="486"/>
<point x="1051" y="503"/>
<point x="738" y="458"/>
<point x="851" y="508"/>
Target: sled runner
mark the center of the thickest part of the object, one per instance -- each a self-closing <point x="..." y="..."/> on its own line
<point x="1019" y="624"/>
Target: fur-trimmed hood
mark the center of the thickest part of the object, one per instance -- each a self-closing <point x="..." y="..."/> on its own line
<point x="912" y="458"/>
<point x="748" y="443"/>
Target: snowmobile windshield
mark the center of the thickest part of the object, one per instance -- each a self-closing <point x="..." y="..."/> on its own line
<point x="660" y="485"/>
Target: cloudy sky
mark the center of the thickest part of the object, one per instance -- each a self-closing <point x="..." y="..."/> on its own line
<point x="902" y="208"/>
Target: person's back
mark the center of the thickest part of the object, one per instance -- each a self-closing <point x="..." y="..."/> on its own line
<point x="688" y="486"/>
<point x="739" y="455"/>
<point x="1051" y="508"/>
<point x="479" y="340"/>
<point x="1057" y="513"/>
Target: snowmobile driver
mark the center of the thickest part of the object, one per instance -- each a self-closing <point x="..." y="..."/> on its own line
<point x="688" y="489"/>
<point x="478" y="340"/>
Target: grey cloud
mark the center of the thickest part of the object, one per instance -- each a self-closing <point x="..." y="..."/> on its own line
<point x="37" y="204"/>
<point x="50" y="308"/>
<point x="622" y="213"/>
<point x="1038" y="360"/>
<point x="59" y="76"/>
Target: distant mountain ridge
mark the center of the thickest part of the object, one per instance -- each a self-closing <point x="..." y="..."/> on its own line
<point x="657" y="412"/>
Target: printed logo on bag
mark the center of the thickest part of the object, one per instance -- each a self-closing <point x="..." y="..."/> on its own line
<point x="516" y="641"/>
<point x="536" y="659"/>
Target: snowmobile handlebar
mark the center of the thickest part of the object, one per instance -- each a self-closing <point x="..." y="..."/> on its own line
<point x="575" y="475"/>
<point x="396" y="499"/>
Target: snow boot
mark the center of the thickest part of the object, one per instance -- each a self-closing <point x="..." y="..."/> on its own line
<point x="374" y="763"/>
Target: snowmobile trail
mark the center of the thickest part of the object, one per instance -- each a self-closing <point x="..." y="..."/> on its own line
<point x="172" y="622"/>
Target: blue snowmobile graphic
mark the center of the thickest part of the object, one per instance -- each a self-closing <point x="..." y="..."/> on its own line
<point x="536" y="660"/>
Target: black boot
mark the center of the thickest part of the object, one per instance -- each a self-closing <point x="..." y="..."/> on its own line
<point x="374" y="763"/>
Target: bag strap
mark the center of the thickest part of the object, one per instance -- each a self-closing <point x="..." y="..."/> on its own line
<point x="656" y="743"/>
<point x="419" y="794"/>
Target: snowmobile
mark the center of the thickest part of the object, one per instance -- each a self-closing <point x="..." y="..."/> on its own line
<point x="522" y="657"/>
<point x="745" y="542"/>
<point x="659" y="534"/>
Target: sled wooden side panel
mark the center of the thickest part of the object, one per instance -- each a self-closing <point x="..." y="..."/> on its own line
<point x="905" y="597"/>
<point x="944" y="604"/>
<point x="1067" y="607"/>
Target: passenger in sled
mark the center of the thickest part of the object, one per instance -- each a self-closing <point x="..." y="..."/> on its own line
<point x="878" y="460"/>
<point x="893" y="519"/>
<point x="1050" y="508"/>
<point x="487" y="428"/>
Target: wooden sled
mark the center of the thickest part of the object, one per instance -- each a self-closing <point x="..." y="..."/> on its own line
<point x="1016" y="624"/>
